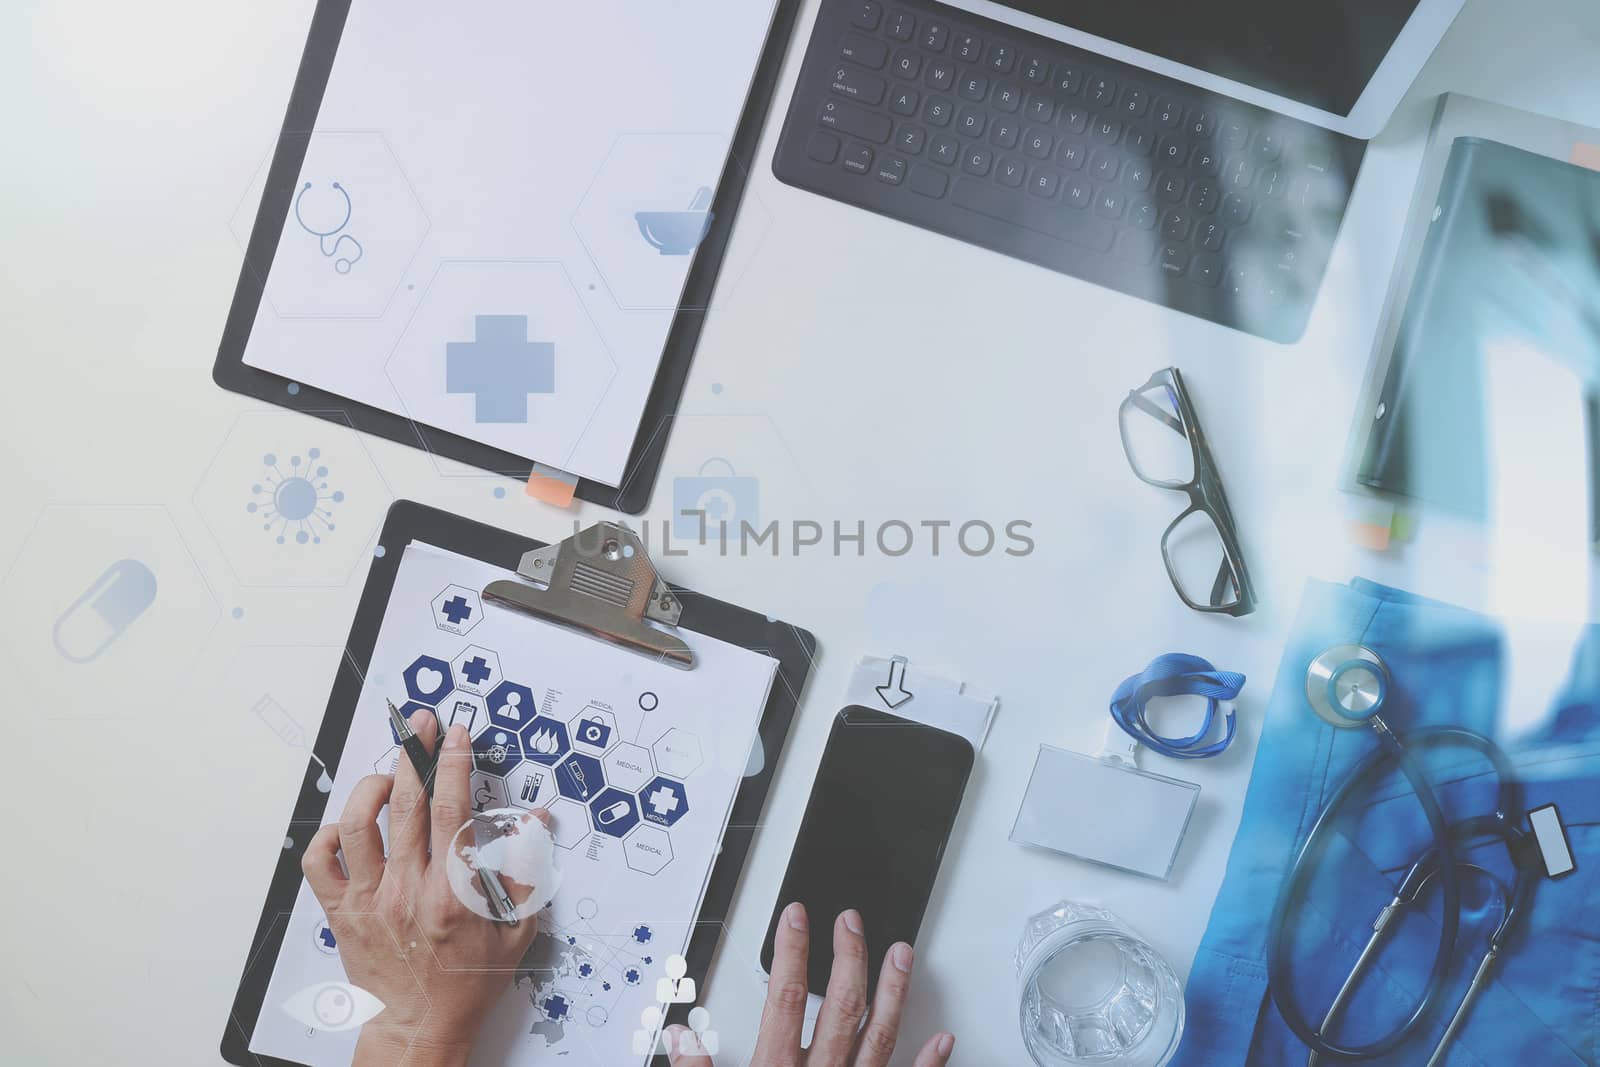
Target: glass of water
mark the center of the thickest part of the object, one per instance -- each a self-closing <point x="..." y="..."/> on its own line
<point x="1093" y="992"/>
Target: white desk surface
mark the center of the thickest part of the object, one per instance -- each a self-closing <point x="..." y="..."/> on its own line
<point x="864" y="370"/>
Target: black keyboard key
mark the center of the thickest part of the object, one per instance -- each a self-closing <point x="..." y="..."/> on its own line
<point x="969" y="48"/>
<point x="1171" y="185"/>
<point x="1071" y="155"/>
<point x="935" y="35"/>
<point x="902" y="26"/>
<point x="910" y="139"/>
<point x="865" y="51"/>
<point x="1272" y="182"/>
<point x="1033" y="213"/>
<point x="1203" y="196"/>
<point x="892" y="171"/>
<point x="1235" y="135"/>
<point x="1106" y="130"/>
<point x="1104" y="165"/>
<point x="1004" y="133"/>
<point x="974" y="87"/>
<point x="1205" y="161"/>
<point x="1168" y="114"/>
<point x="1174" y="259"/>
<point x="855" y="121"/>
<point x="907" y="64"/>
<point x="1175" y="225"/>
<point x="1073" y="119"/>
<point x="972" y="122"/>
<point x="1201" y="123"/>
<point x="1077" y="193"/>
<point x="1135" y="102"/>
<point x="1109" y="204"/>
<point x="944" y="148"/>
<point x="1206" y="270"/>
<point x="1209" y="235"/>
<point x="1035" y="71"/>
<point x="904" y="101"/>
<point x="868" y="14"/>
<point x="1068" y="79"/>
<point x="1044" y="182"/>
<point x="1038" y="144"/>
<point x="1139" y="141"/>
<point x="1102" y="92"/>
<point x="1010" y="172"/>
<point x="927" y="181"/>
<point x="1002" y="58"/>
<point x="859" y="85"/>
<point x="1007" y="97"/>
<point x="1236" y="208"/>
<point x="1238" y="173"/>
<point x="1143" y="213"/>
<point x="858" y="159"/>
<point x="1137" y="175"/>
<point x="822" y="147"/>
<point x="941" y="75"/>
<point x="937" y="111"/>
<point x="1269" y="146"/>
<point x="1318" y="159"/>
<point x="1172" y="151"/>
<point x="1040" y="108"/>
<point x="977" y="161"/>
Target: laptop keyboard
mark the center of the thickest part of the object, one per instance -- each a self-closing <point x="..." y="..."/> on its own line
<point x="1061" y="157"/>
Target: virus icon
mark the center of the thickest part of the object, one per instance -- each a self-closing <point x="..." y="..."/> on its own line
<point x="297" y="500"/>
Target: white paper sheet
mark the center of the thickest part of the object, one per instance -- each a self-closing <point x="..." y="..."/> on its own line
<point x="676" y="742"/>
<point x="497" y="167"/>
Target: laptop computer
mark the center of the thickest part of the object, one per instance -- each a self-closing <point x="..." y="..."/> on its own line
<point x="1197" y="156"/>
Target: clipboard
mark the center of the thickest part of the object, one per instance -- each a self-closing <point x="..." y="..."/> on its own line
<point x="632" y="494"/>
<point x="794" y="650"/>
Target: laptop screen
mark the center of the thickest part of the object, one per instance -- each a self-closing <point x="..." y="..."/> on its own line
<point x="1321" y="53"/>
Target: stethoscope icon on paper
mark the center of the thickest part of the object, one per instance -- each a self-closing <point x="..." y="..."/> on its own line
<point x="343" y="243"/>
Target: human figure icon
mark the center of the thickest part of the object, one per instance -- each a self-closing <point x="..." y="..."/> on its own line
<point x="650" y="1039"/>
<point x="675" y="988"/>
<point x="699" y="1039"/>
<point x="513" y="708"/>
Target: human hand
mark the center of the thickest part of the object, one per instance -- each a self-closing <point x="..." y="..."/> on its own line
<point x="839" y="1040"/>
<point x="402" y="934"/>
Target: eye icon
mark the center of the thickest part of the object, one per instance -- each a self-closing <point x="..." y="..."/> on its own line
<point x="332" y="1006"/>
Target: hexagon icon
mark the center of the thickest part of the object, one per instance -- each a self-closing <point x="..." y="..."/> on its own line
<point x="544" y="740"/>
<point x="664" y="801"/>
<point x="647" y="210"/>
<point x="291" y="504"/>
<point x="569" y="822"/>
<point x="457" y="610"/>
<point x="389" y="762"/>
<point x="512" y="705"/>
<point x="353" y="227"/>
<point x="531" y="785"/>
<point x="580" y="777"/>
<point x="677" y="753"/>
<point x="488" y="793"/>
<point x="628" y="766"/>
<point x="408" y="709"/>
<point x="477" y="670"/>
<point x="428" y="679"/>
<point x="647" y="849"/>
<point x="594" y="730"/>
<point x="503" y="352"/>
<point x="615" y="812"/>
<point x="462" y="709"/>
<point x="496" y="752"/>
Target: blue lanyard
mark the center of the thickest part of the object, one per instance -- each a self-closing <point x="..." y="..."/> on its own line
<point x="1176" y="674"/>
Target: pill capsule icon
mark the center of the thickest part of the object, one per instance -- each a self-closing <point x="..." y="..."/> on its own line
<point x="619" y="810"/>
<point x="111" y="604"/>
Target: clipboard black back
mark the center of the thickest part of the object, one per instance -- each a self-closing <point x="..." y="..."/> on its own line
<point x="793" y="648"/>
<point x="650" y="440"/>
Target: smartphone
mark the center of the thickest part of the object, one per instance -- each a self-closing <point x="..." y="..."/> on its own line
<point x="881" y="810"/>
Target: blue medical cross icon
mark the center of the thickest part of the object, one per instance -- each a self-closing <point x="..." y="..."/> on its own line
<point x="475" y="670"/>
<point x="500" y="367"/>
<point x="457" y="610"/>
<point x="325" y="935"/>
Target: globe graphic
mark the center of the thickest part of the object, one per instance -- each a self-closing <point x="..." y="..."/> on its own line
<point x="515" y="846"/>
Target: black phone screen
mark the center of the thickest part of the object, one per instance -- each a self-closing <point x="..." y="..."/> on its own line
<point x="881" y="811"/>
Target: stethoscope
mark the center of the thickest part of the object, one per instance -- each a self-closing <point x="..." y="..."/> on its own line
<point x="1346" y="687"/>
<point x="343" y="263"/>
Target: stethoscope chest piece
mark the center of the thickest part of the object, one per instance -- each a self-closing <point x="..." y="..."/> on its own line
<point x="1346" y="685"/>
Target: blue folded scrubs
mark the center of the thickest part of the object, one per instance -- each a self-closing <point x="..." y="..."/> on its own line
<point x="1447" y="667"/>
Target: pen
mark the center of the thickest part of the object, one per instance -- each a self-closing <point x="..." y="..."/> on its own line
<point x="500" y="902"/>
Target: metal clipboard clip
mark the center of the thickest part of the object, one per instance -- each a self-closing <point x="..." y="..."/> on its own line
<point x="600" y="582"/>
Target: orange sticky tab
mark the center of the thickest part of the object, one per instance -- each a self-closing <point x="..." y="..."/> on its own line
<point x="1371" y="537"/>
<point x="552" y="486"/>
<point x="1586" y="155"/>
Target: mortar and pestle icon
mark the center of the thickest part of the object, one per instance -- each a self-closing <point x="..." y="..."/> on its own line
<point x="678" y="233"/>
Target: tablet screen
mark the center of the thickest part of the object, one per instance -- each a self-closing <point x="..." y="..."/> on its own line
<point x="1321" y="53"/>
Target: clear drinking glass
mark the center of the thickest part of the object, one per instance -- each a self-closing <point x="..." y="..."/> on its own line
<point x="1093" y="991"/>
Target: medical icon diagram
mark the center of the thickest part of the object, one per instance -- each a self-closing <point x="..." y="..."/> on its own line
<point x="104" y="610"/>
<point x="332" y="1007"/>
<point x="325" y="218"/>
<point x="701" y="1040"/>
<point x="456" y="611"/>
<point x="650" y="1039"/>
<point x="676" y="987"/>
<point x="710" y="505"/>
<point x="295" y="502"/>
<point x="678" y="233"/>
<point x="500" y="367"/>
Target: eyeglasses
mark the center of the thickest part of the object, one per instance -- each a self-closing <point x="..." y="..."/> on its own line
<point x="1167" y="449"/>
